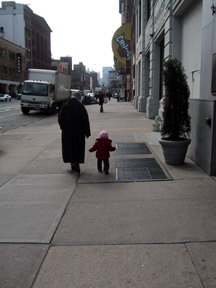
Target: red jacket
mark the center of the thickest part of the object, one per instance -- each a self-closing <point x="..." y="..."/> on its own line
<point x="102" y="146"/>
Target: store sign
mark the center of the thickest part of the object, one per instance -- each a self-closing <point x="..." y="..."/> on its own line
<point x="19" y="63"/>
<point x="119" y="66"/>
<point x="124" y="46"/>
<point x="121" y="43"/>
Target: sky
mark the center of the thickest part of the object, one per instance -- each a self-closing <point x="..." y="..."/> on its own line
<point x="82" y="29"/>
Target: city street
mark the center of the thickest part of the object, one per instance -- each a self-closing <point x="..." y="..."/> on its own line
<point x="11" y="116"/>
<point x="141" y="226"/>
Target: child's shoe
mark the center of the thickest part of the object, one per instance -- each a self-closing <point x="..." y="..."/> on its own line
<point x="106" y="172"/>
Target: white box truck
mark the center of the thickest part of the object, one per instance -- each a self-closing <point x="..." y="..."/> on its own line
<point x="45" y="90"/>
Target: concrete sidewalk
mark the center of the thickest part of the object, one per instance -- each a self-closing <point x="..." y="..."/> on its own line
<point x="96" y="230"/>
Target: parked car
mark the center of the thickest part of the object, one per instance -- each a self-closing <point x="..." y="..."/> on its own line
<point x="93" y="99"/>
<point x="89" y="99"/>
<point x="3" y="98"/>
<point x="18" y="96"/>
<point x="91" y="94"/>
<point x="8" y="97"/>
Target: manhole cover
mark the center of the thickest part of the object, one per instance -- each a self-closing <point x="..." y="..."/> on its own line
<point x="132" y="148"/>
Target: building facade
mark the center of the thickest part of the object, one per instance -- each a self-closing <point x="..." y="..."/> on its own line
<point x="68" y="61"/>
<point x="12" y="67"/>
<point x="19" y="25"/>
<point x="114" y="81"/>
<point x="41" y="46"/>
<point x="105" y="79"/>
<point x="82" y="79"/>
<point x="93" y="80"/>
<point x="186" y="30"/>
<point x="78" y="76"/>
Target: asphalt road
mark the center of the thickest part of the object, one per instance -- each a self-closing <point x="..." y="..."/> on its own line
<point x="11" y="116"/>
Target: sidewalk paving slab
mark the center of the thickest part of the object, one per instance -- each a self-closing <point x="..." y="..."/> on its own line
<point x="203" y="256"/>
<point x="141" y="212"/>
<point x="20" y="263"/>
<point x="122" y="266"/>
<point x="32" y="206"/>
<point x="94" y="231"/>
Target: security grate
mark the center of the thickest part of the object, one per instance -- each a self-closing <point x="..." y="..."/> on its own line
<point x="132" y="148"/>
<point x="139" y="170"/>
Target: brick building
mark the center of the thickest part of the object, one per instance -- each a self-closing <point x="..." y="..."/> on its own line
<point x="19" y="24"/>
<point x="12" y="67"/>
<point x="41" y="53"/>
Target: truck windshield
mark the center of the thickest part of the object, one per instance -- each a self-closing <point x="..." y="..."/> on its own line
<point x="37" y="89"/>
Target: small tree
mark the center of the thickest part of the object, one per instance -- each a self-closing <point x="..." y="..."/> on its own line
<point x="176" y="120"/>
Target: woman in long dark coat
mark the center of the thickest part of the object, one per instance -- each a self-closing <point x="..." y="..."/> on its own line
<point x="101" y="100"/>
<point x="74" y="123"/>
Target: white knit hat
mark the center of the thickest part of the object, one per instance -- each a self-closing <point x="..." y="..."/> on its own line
<point x="103" y="134"/>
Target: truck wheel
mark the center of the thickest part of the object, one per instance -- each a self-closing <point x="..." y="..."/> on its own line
<point x="25" y="110"/>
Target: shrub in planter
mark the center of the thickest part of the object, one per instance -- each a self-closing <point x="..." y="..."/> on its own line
<point x="176" y="119"/>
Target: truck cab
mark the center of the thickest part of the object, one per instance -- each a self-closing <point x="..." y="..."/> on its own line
<point x="36" y="95"/>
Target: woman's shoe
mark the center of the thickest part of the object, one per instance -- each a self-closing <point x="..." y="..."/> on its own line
<point x="75" y="167"/>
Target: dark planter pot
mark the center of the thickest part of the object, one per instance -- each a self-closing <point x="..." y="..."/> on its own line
<point x="174" y="151"/>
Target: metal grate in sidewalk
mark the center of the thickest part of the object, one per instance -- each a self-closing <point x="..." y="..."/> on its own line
<point x="137" y="169"/>
<point x="132" y="148"/>
<point x="142" y="169"/>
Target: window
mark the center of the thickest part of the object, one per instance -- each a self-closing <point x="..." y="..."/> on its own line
<point x="11" y="55"/>
<point x="46" y="50"/>
<point x="35" y="89"/>
<point x="42" y="49"/>
<point x="38" y="46"/>
<point x="28" y="43"/>
<point x="139" y="78"/>
<point x="148" y="9"/>
<point x="28" y="54"/>
<point x="2" y="52"/>
<point x="139" y="18"/>
<point x="27" y="31"/>
<point x="134" y="69"/>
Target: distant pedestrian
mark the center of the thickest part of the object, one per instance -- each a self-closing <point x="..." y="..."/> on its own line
<point x="118" y="97"/>
<point x="103" y="146"/>
<point x="74" y="123"/>
<point x="109" y="95"/>
<point x="101" y="100"/>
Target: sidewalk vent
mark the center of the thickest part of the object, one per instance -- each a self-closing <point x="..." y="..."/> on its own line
<point x="137" y="169"/>
<point x="142" y="169"/>
<point x="132" y="148"/>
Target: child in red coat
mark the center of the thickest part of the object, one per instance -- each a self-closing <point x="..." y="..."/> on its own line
<point x="103" y="147"/>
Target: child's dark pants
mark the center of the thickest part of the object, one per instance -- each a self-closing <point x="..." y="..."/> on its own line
<point x="106" y="164"/>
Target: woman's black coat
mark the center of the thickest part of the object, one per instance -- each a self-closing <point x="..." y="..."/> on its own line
<point x="74" y="123"/>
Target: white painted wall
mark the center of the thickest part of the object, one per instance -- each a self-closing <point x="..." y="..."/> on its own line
<point x="191" y="46"/>
<point x="19" y="30"/>
<point x="208" y="49"/>
<point x="13" y="22"/>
